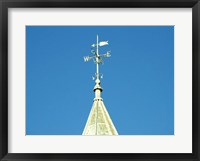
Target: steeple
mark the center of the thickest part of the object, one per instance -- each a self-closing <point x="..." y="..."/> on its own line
<point x="99" y="121"/>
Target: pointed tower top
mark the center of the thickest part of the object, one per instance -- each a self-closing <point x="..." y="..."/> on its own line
<point x="99" y="121"/>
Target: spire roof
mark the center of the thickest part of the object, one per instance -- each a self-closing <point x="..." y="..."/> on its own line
<point x="99" y="121"/>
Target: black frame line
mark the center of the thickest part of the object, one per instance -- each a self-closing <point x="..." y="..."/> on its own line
<point x="6" y="4"/>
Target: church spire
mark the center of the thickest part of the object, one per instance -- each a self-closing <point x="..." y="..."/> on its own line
<point x="98" y="59"/>
<point x="99" y="121"/>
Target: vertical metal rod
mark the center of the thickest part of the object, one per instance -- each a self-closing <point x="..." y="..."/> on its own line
<point x="97" y="78"/>
<point x="97" y="58"/>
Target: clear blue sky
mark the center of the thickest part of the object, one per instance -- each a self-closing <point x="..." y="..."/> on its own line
<point x="138" y="78"/>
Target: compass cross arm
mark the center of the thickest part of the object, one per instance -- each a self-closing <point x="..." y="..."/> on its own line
<point x="88" y="58"/>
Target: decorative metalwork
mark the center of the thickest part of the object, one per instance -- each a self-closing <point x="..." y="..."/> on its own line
<point x="97" y="58"/>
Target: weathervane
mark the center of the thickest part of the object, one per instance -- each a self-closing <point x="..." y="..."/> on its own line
<point x="97" y="58"/>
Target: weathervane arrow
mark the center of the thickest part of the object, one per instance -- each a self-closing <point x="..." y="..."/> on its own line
<point x="103" y="43"/>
